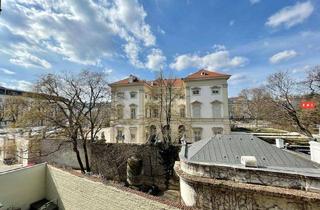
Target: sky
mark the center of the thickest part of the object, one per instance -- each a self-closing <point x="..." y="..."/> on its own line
<point x="249" y="39"/>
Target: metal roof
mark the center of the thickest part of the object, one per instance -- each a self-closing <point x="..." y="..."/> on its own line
<point x="228" y="149"/>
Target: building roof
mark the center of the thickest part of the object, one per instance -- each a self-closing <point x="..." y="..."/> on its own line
<point x="228" y="149"/>
<point x="175" y="82"/>
<point x="204" y="74"/>
<point x="131" y="80"/>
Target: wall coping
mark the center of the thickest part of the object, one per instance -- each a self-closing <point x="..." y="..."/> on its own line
<point x="251" y="188"/>
<point x="22" y="168"/>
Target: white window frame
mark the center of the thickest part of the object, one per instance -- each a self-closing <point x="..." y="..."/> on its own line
<point x="196" y="89"/>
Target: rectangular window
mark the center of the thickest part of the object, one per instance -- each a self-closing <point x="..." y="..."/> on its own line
<point x="196" y="110"/>
<point x="182" y="112"/>
<point x="155" y="113"/>
<point x="196" y="91"/>
<point x="120" y="112"/>
<point x="216" y="110"/>
<point x="133" y="94"/>
<point x="133" y="134"/>
<point x="197" y="134"/>
<point x="133" y="112"/>
<point x="120" y="95"/>
<point x="120" y="136"/>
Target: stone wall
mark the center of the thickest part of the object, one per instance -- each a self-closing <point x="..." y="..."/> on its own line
<point x="210" y="193"/>
<point x="110" y="161"/>
<point x="294" y="179"/>
<point x="59" y="152"/>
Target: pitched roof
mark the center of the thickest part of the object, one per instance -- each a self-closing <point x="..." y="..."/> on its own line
<point x="175" y="82"/>
<point x="206" y="74"/>
<point x="131" y="80"/>
<point x="228" y="149"/>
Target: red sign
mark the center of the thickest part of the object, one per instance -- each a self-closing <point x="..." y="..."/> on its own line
<point x="307" y="105"/>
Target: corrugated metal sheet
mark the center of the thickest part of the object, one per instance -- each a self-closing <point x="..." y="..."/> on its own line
<point x="228" y="149"/>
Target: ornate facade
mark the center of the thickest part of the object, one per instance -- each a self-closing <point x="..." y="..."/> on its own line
<point x="199" y="107"/>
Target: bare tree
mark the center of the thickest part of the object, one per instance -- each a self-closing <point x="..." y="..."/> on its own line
<point x="95" y="97"/>
<point x="74" y="104"/>
<point x="256" y="102"/>
<point x="313" y="80"/>
<point x="282" y="88"/>
<point x="168" y="91"/>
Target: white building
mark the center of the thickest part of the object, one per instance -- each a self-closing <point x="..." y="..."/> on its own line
<point x="199" y="110"/>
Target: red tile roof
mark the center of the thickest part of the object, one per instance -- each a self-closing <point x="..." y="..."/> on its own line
<point x="126" y="81"/>
<point x="205" y="74"/>
<point x="202" y="74"/>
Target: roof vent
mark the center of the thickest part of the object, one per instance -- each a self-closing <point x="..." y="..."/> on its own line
<point x="249" y="161"/>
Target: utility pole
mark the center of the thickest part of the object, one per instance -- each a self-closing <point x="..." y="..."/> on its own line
<point x="0" y="7"/>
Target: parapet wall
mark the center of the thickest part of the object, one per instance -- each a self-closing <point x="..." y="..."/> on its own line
<point x="259" y="176"/>
<point x="211" y="193"/>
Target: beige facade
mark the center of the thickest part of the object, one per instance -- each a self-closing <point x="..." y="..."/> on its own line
<point x="199" y="108"/>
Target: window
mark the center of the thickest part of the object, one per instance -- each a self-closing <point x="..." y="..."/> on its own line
<point x="133" y="111"/>
<point x="155" y="113"/>
<point x="196" y="109"/>
<point x="120" y="136"/>
<point x="133" y="94"/>
<point x="120" y="95"/>
<point x="196" y="91"/>
<point x="197" y="134"/>
<point x="216" y="109"/>
<point x="133" y="134"/>
<point x="215" y="90"/>
<point x="182" y="111"/>
<point x="217" y="130"/>
<point x="119" y="111"/>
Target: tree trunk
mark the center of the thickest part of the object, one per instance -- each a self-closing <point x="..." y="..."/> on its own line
<point x="75" y="149"/>
<point x="85" y="150"/>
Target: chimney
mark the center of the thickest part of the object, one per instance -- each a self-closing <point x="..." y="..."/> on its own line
<point x="280" y="143"/>
<point x="249" y="161"/>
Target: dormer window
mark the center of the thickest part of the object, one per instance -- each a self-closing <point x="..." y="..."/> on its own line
<point x="196" y="91"/>
<point x="215" y="90"/>
<point x="120" y="95"/>
<point x="204" y="73"/>
<point x="133" y="94"/>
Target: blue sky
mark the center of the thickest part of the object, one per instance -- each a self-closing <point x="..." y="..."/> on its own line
<point x="248" y="39"/>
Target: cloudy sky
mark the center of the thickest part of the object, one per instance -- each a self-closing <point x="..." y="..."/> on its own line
<point x="246" y="38"/>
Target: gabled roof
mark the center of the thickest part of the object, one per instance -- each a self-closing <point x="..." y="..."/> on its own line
<point x="228" y="149"/>
<point x="204" y="74"/>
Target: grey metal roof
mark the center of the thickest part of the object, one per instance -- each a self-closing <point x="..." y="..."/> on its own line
<point x="228" y="149"/>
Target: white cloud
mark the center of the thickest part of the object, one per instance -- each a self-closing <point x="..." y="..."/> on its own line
<point x="80" y="31"/>
<point x="254" y="1"/>
<point x="108" y="71"/>
<point x="7" y="71"/>
<point x="291" y="15"/>
<point x="231" y="22"/>
<point x="215" y="60"/>
<point x="238" y="78"/>
<point x="27" y="60"/>
<point x="18" y="85"/>
<point x="283" y="56"/>
<point x="155" y="60"/>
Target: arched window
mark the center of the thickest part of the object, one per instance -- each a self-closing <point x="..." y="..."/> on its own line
<point x="216" y="109"/>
